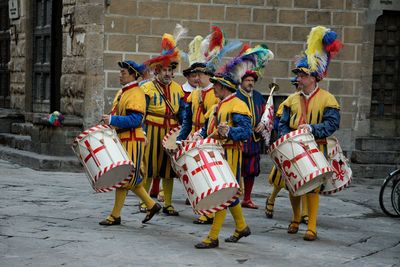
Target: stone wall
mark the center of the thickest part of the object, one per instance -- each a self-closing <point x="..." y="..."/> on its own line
<point x="18" y="65"/>
<point x="133" y="30"/>
<point x="82" y="78"/>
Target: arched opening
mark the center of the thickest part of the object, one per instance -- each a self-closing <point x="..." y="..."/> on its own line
<point x="385" y="99"/>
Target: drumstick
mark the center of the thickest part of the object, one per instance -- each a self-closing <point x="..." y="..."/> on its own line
<point x="212" y="134"/>
<point x="273" y="87"/>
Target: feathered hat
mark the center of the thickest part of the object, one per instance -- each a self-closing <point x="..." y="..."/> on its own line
<point x="322" y="46"/>
<point x="132" y="67"/>
<point x="251" y="60"/>
<point x="194" y="55"/>
<point x="170" y="54"/>
<point x="206" y="54"/>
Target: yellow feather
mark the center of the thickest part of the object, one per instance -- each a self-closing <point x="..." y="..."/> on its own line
<point x="315" y="47"/>
<point x="194" y="50"/>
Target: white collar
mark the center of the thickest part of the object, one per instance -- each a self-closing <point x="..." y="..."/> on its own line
<point x="129" y="84"/>
<point x="187" y="87"/>
<point x="310" y="94"/>
<point x="227" y="97"/>
<point x="207" y="87"/>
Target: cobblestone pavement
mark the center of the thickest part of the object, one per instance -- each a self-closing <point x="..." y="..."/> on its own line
<point x="51" y="219"/>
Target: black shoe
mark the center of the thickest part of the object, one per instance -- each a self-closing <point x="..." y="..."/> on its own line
<point x="150" y="213"/>
<point x="207" y="221"/>
<point x="235" y="238"/>
<point x="203" y="245"/>
<point x="107" y="222"/>
<point x="170" y="211"/>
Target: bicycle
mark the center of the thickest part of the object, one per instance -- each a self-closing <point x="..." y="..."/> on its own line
<point x="389" y="195"/>
<point x="396" y="197"/>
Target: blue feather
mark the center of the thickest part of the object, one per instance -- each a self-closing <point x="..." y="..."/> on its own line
<point x="329" y="37"/>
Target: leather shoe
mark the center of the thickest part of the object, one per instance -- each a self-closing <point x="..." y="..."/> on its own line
<point x="235" y="237"/>
<point x="203" y="245"/>
<point x="108" y="222"/>
<point x="170" y="211"/>
<point x="150" y="213"/>
<point x="293" y="228"/>
<point x="310" y="235"/>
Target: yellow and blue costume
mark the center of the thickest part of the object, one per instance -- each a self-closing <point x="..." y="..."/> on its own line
<point x="237" y="115"/>
<point x="199" y="102"/>
<point x="159" y="121"/>
<point x="322" y="114"/>
<point x="313" y="107"/>
<point x="127" y="117"/>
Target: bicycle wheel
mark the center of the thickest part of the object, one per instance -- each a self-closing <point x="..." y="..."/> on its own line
<point x="396" y="197"/>
<point x="385" y="194"/>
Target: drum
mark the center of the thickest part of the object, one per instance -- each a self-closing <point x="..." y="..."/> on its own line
<point x="342" y="175"/>
<point x="208" y="180"/>
<point x="104" y="159"/>
<point x="297" y="156"/>
<point x="170" y="146"/>
<point x="169" y="141"/>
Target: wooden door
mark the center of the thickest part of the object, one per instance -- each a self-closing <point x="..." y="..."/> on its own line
<point x="385" y="99"/>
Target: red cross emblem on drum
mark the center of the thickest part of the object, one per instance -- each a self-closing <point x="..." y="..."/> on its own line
<point x="206" y="165"/>
<point x="208" y="180"/>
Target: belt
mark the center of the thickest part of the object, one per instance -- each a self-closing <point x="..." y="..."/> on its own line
<point x="132" y="135"/>
<point x="165" y="116"/>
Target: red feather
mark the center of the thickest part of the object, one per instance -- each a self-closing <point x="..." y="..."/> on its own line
<point x="217" y="38"/>
<point x="244" y="48"/>
<point x="167" y="43"/>
<point x="334" y="48"/>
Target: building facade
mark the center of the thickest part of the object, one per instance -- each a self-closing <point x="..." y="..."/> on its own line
<point x="62" y="55"/>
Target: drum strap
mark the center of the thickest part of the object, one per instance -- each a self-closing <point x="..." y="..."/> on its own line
<point x="161" y="92"/>
<point x="303" y="118"/>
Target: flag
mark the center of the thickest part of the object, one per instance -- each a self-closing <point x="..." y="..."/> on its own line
<point x="268" y="120"/>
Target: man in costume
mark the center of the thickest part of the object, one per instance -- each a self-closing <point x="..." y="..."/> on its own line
<point x="204" y="56"/>
<point x="199" y="102"/>
<point x="230" y="122"/>
<point x="277" y="181"/>
<point x="314" y="109"/>
<point x="164" y="111"/>
<point x="192" y="82"/>
<point x="252" y="147"/>
<point x="127" y="117"/>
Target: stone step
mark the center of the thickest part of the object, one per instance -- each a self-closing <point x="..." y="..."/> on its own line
<point x="7" y="117"/>
<point x="22" y="128"/>
<point x="40" y="162"/>
<point x="378" y="144"/>
<point x="372" y="171"/>
<point x="375" y="157"/>
<point x="21" y="142"/>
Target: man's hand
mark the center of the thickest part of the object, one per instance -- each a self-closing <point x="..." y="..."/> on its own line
<point x="305" y="127"/>
<point x="196" y="136"/>
<point x="106" y="119"/>
<point x="223" y="129"/>
<point x="260" y="127"/>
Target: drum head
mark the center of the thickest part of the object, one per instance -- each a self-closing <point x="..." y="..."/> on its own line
<point x="169" y="141"/>
<point x="114" y="176"/>
<point x="217" y="198"/>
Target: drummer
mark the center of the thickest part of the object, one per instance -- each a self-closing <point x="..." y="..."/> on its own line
<point x="188" y="87"/>
<point x="126" y="116"/>
<point x="314" y="109"/>
<point x="165" y="105"/>
<point x="277" y="180"/>
<point x="230" y="121"/>
<point x="199" y="102"/>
